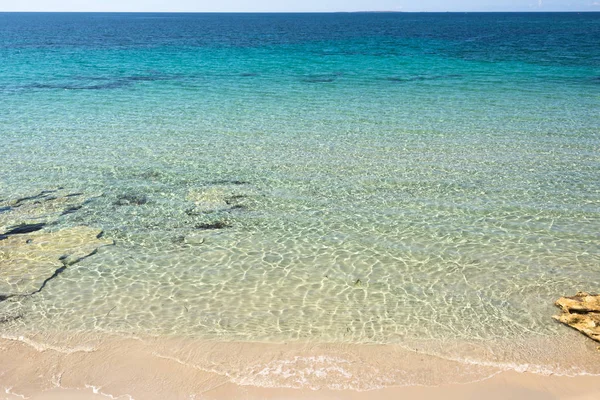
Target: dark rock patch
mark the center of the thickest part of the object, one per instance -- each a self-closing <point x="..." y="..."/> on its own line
<point x="152" y="174"/>
<point x="234" y="199"/>
<point x="416" y="78"/>
<point x="153" y="76"/>
<point x="213" y="225"/>
<point x="237" y="207"/>
<point x="228" y="182"/>
<point x="89" y="78"/>
<point x="234" y="207"/>
<point x="24" y="228"/>
<point x="322" y="78"/>
<point x="71" y="210"/>
<point x="191" y="212"/>
<point x="131" y="199"/>
<point x="101" y="86"/>
<point x="74" y="194"/>
<point x="92" y="200"/>
<point x="144" y="78"/>
<point x="43" y="195"/>
<point x="178" y="239"/>
<point x="149" y="76"/>
<point x="97" y="82"/>
<point x="319" y="79"/>
<point x="9" y="318"/>
<point x="5" y="209"/>
<point x="408" y="79"/>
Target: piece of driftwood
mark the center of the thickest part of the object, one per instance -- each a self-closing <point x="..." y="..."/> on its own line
<point x="581" y="312"/>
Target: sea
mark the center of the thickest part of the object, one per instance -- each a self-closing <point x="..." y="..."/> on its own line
<point x="418" y="180"/>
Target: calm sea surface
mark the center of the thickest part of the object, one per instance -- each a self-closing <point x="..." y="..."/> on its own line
<point x="374" y="178"/>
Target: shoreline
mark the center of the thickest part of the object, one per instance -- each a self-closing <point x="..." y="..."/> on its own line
<point x="505" y="385"/>
<point x="65" y="365"/>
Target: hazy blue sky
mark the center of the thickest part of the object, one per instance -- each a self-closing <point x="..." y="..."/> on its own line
<point x="299" y="5"/>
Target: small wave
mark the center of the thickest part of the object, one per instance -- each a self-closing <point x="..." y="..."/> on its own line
<point x="96" y="390"/>
<point x="41" y="347"/>
<point x="299" y="372"/>
<point x="537" y="369"/>
<point x="314" y="373"/>
<point x="190" y="365"/>
<point x="504" y="366"/>
<point x="8" y="390"/>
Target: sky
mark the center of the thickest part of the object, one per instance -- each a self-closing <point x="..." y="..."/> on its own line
<point x="298" y="5"/>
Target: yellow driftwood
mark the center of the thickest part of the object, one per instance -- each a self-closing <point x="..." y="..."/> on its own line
<point x="581" y="312"/>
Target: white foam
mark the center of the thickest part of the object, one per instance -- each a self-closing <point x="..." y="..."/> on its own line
<point x="42" y="347"/>
<point x="8" y="390"/>
<point x="501" y="366"/>
<point x="314" y="372"/>
<point x="187" y="364"/>
<point x="97" y="390"/>
<point x="530" y="368"/>
<point x="57" y="379"/>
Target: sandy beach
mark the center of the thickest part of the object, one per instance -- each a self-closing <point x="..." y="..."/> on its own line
<point x="506" y="385"/>
<point x="82" y="367"/>
<point x="503" y="386"/>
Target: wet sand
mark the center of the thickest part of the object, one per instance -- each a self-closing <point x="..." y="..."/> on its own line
<point x="507" y="385"/>
<point x="102" y="366"/>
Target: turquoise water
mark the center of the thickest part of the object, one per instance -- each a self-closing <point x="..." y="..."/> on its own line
<point x="379" y="178"/>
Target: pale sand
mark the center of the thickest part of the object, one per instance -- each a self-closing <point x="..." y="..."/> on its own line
<point x="60" y="367"/>
<point x="504" y="386"/>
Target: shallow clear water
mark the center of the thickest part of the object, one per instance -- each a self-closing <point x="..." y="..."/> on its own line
<point x="381" y="178"/>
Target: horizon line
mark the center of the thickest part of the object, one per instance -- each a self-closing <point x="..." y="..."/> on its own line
<point x="305" y="12"/>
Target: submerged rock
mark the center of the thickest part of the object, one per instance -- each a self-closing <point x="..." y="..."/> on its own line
<point x="43" y="195"/>
<point x="29" y="260"/>
<point x="71" y="210"/>
<point x="228" y="182"/>
<point x="24" y="228"/>
<point x="46" y="207"/>
<point x="219" y="196"/>
<point x="4" y="319"/>
<point x="131" y="199"/>
<point x="581" y="312"/>
<point x="213" y="225"/>
<point x="208" y="200"/>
